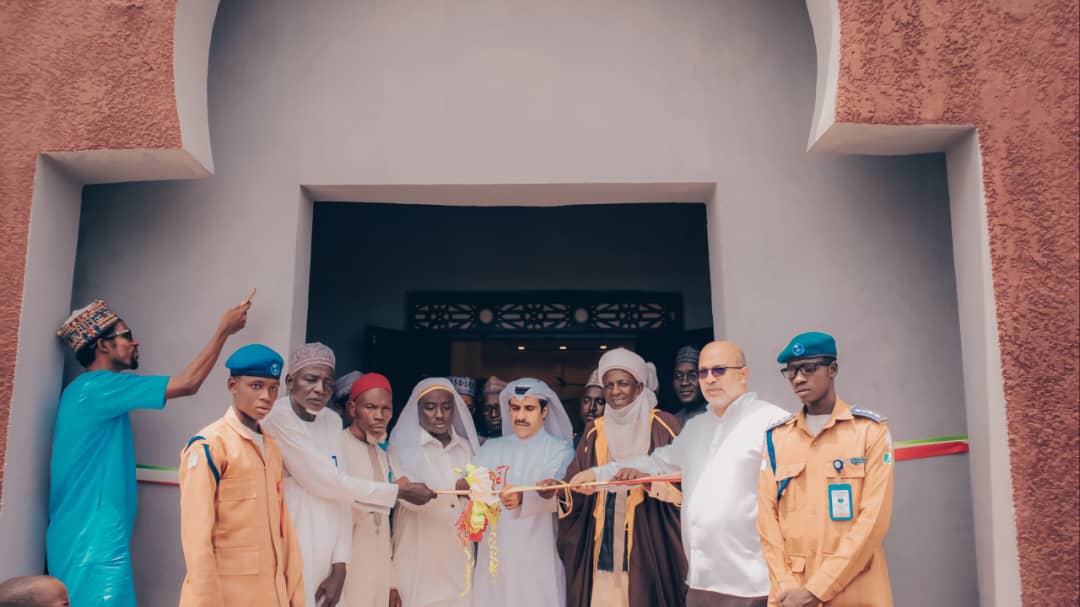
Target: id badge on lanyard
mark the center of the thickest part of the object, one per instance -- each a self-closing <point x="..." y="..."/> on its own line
<point x="840" y="502"/>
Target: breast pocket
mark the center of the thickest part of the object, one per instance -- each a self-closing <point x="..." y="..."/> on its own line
<point x="787" y="476"/>
<point x="236" y="489"/>
<point x="849" y="474"/>
<point x="237" y="513"/>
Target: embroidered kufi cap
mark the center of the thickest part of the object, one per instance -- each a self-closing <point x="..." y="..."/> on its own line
<point x="86" y="325"/>
<point x="311" y="354"/>
<point x="465" y="386"/>
<point x="687" y="354"/>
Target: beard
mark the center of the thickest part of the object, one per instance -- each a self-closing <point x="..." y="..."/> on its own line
<point x="134" y="363"/>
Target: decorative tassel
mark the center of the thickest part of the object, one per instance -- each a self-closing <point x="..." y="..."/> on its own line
<point x="481" y="512"/>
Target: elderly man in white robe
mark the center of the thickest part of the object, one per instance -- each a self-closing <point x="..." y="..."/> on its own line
<point x="622" y="546"/>
<point x="318" y="492"/>
<point x="535" y="449"/>
<point x="433" y="436"/>
<point x="719" y="455"/>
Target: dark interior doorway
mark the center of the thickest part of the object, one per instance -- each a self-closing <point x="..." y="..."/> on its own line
<point x="368" y="259"/>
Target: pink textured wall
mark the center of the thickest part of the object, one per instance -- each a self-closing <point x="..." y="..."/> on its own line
<point x="94" y="74"/>
<point x="1010" y="68"/>
<point x="97" y="74"/>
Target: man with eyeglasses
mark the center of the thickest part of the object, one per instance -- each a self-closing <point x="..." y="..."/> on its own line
<point x="825" y="490"/>
<point x="685" y="382"/>
<point x="718" y="455"/>
<point x="92" y="499"/>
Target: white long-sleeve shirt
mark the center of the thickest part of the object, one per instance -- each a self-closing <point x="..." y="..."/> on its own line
<point x="429" y="561"/>
<point x="318" y="492"/>
<point x="719" y="458"/>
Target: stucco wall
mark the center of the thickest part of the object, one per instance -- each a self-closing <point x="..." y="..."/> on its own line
<point x="1010" y="69"/>
<point x="1007" y="68"/>
<point x="74" y="76"/>
<point x="520" y="93"/>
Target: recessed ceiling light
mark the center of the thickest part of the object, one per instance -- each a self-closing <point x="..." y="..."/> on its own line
<point x="562" y="347"/>
<point x="603" y="347"/>
<point x="522" y="348"/>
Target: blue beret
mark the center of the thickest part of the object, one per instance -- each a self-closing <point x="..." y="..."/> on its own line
<point x="255" y="360"/>
<point x="808" y="345"/>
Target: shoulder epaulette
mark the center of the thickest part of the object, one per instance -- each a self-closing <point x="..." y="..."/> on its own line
<point x="868" y="414"/>
<point x="194" y="439"/>
<point x="209" y="458"/>
<point x="781" y="421"/>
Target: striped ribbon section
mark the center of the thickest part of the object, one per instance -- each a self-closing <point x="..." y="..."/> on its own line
<point x="157" y="475"/>
<point x="902" y="451"/>
<point x="930" y="447"/>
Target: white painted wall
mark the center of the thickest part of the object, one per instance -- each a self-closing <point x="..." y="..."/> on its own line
<point x="991" y="470"/>
<point x="191" y="53"/>
<point x="54" y="226"/>
<point x="509" y="91"/>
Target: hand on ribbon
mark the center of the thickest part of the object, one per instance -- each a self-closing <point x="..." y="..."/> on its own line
<point x="632" y="474"/>
<point x="511" y="500"/>
<point x="584" y="478"/>
<point x="548" y="493"/>
<point x="414" y="493"/>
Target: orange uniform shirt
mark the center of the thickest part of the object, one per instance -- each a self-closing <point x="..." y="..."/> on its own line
<point x="826" y="530"/>
<point x="238" y="541"/>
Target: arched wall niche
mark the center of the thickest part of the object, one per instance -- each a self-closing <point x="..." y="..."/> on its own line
<point x="136" y="128"/>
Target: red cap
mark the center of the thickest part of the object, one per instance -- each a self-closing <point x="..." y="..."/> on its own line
<point x="369" y="381"/>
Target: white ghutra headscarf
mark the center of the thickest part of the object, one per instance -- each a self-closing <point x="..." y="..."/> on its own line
<point x="405" y="437"/>
<point x="557" y="423"/>
<point x="629" y="429"/>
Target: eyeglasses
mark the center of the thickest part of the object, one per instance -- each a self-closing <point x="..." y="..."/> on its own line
<point x="716" y="372"/>
<point x="688" y="376"/>
<point x="807" y="369"/>
<point x="126" y="333"/>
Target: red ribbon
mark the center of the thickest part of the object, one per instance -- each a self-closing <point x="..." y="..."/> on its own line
<point x="930" y="450"/>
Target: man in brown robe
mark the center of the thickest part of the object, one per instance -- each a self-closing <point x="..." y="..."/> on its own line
<point x="646" y="566"/>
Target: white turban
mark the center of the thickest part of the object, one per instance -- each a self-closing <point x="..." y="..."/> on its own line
<point x="629" y="430"/>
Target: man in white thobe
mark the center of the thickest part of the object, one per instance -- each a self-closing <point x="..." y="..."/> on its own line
<point x="318" y="492"/>
<point x="535" y="448"/>
<point x="719" y="456"/>
<point x="433" y="436"/>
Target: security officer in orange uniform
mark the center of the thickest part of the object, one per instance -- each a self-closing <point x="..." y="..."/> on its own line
<point x="238" y="541"/>
<point x="825" y="490"/>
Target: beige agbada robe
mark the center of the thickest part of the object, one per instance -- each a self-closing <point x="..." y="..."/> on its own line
<point x="367" y="579"/>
